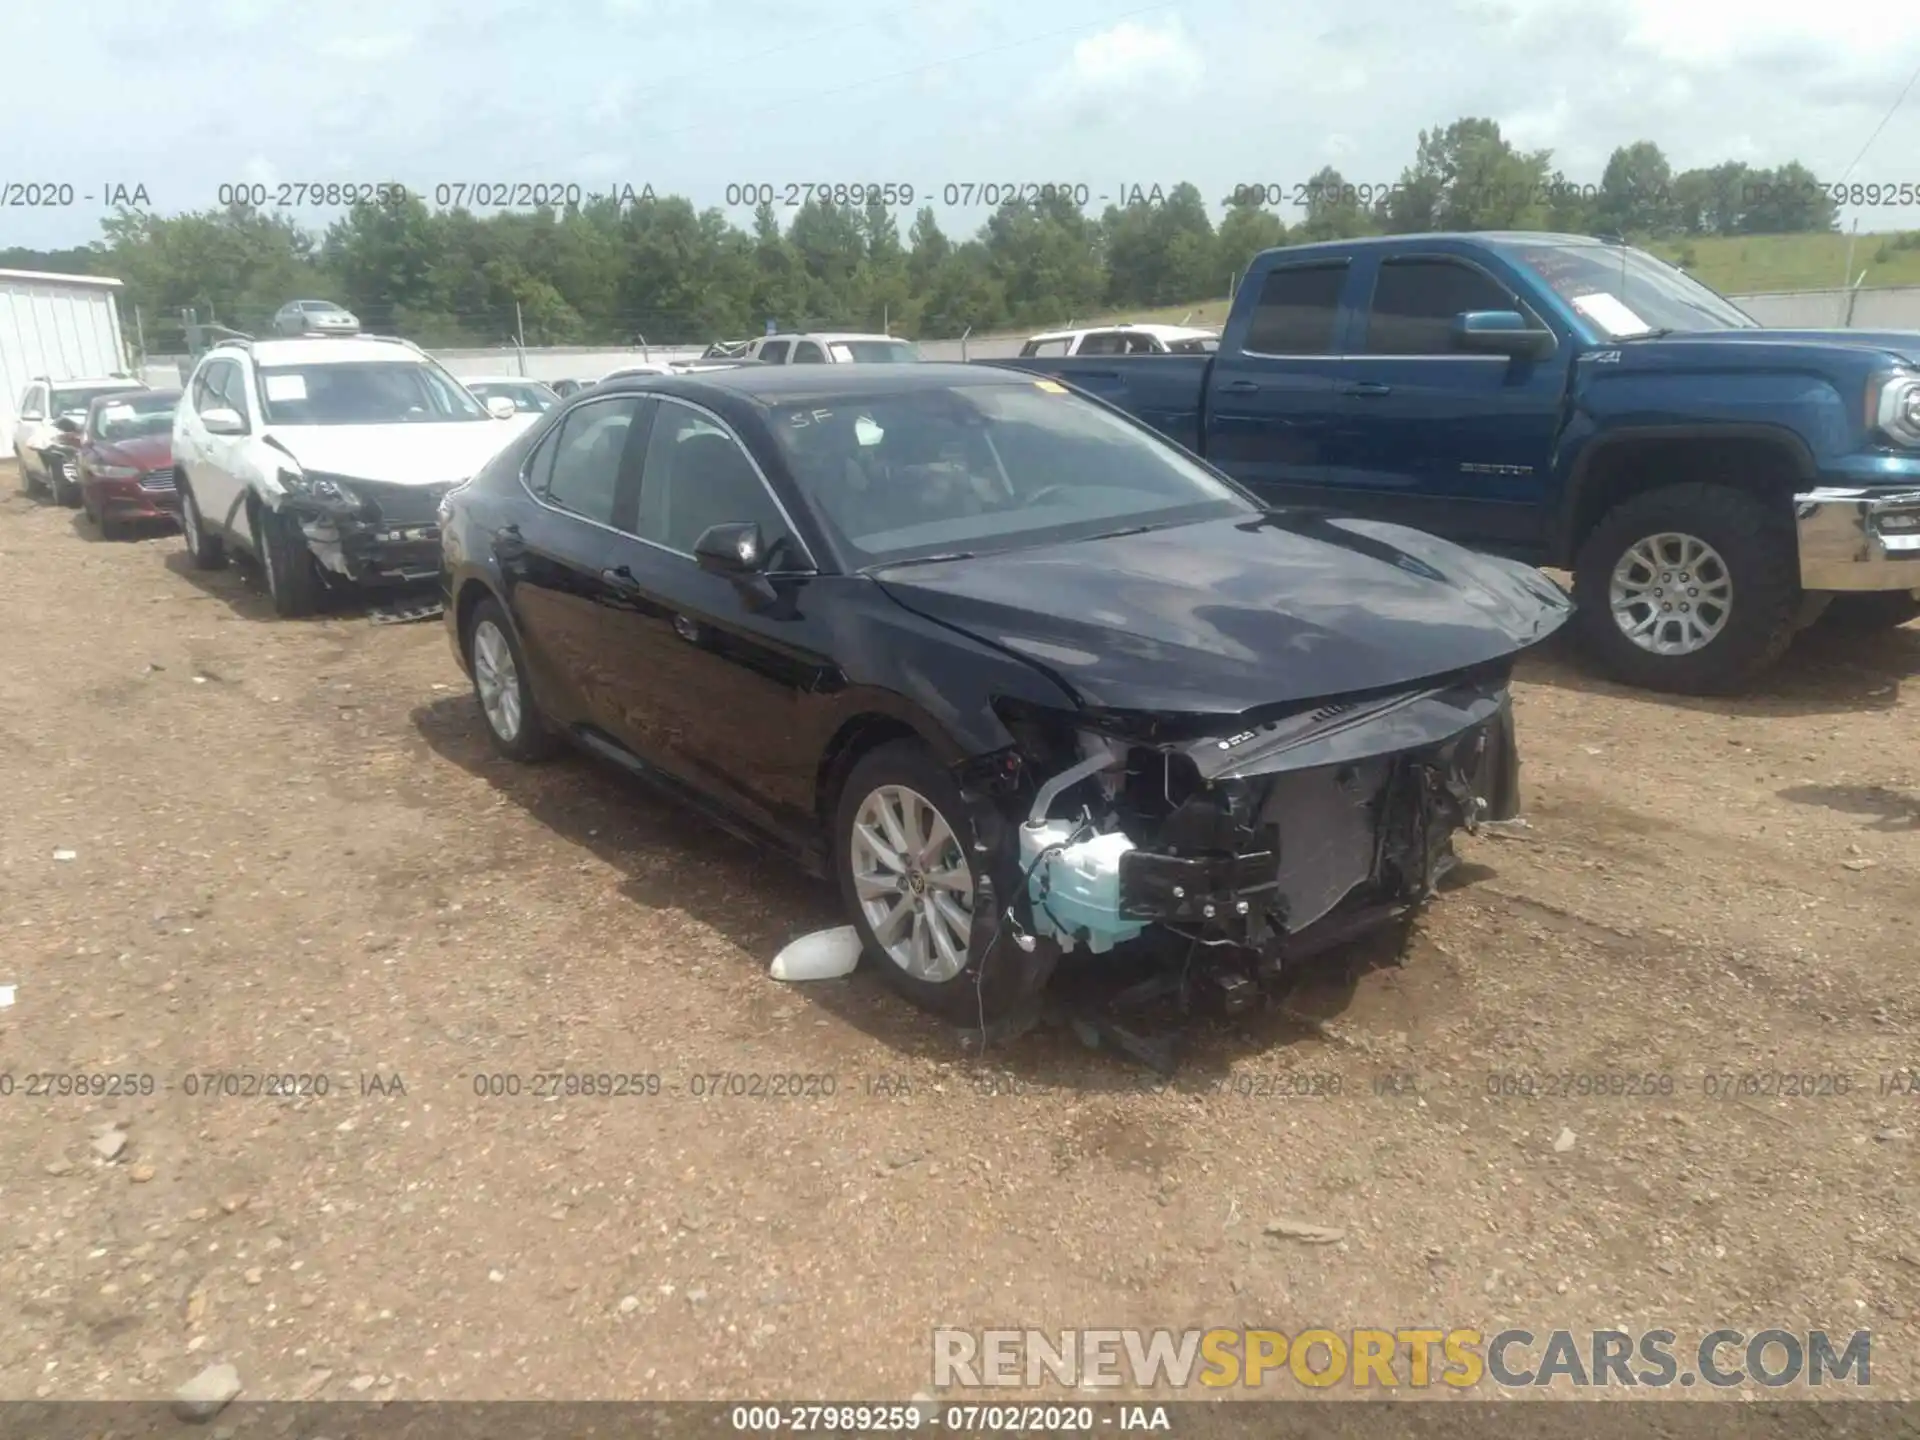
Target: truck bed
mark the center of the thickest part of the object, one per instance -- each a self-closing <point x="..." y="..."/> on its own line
<point x="1163" y="390"/>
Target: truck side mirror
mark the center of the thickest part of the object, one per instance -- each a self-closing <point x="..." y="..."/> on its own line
<point x="1502" y="332"/>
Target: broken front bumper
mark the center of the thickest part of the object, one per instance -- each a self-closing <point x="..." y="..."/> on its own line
<point x="1287" y="836"/>
<point x="1853" y="539"/>
<point x="368" y="553"/>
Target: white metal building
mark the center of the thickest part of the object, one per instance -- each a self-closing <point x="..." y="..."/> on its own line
<point x="65" y="327"/>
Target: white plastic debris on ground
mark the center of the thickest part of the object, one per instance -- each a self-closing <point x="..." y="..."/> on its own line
<point x="823" y="955"/>
<point x="6" y="996"/>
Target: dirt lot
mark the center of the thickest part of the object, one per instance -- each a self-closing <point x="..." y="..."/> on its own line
<point x="235" y="844"/>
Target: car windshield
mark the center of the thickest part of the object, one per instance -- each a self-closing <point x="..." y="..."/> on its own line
<point x="930" y="472"/>
<point x="527" y="399"/>
<point x="873" y="352"/>
<point x="1625" y="292"/>
<point x="145" y="413"/>
<point x="75" y="402"/>
<point x="364" y="392"/>
<point x="321" y="307"/>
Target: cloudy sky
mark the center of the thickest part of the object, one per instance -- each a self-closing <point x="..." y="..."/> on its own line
<point x="693" y="95"/>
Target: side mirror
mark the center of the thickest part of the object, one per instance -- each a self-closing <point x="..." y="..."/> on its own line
<point x="32" y="415"/>
<point x="500" y="407"/>
<point x="222" y="421"/>
<point x="734" y="550"/>
<point x="1501" y="332"/>
<point x="67" y="425"/>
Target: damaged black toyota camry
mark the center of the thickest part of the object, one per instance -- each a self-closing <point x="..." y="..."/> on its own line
<point x="1020" y="675"/>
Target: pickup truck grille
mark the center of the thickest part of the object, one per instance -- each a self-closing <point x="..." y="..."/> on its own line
<point x="402" y="504"/>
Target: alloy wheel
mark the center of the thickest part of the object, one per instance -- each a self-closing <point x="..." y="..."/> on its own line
<point x="1671" y="594"/>
<point x="913" y="883"/>
<point x="497" y="679"/>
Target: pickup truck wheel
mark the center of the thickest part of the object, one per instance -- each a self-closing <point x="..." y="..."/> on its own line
<point x="1692" y="589"/>
<point x="1874" y="610"/>
<point x="208" y="552"/>
<point x="514" y="723"/>
<point x="910" y="879"/>
<point x="293" y="579"/>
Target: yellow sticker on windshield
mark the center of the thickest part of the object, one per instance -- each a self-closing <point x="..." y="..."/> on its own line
<point x="1052" y="387"/>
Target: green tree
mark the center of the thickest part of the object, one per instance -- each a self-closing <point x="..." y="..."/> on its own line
<point x="1636" y="192"/>
<point x="1468" y="177"/>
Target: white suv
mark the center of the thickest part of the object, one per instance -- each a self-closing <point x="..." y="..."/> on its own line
<point x="43" y="445"/>
<point x="326" y="460"/>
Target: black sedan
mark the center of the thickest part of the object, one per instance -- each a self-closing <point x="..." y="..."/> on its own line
<point x="1018" y="673"/>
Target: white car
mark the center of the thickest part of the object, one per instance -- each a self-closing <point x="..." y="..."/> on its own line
<point x="529" y="398"/>
<point x="326" y="459"/>
<point x="42" y="445"/>
<point x="835" y="348"/>
<point x="1125" y="340"/>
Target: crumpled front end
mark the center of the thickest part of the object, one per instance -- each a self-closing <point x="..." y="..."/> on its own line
<point x="1285" y="835"/>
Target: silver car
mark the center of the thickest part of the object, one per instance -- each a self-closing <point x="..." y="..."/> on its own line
<point x="314" y="317"/>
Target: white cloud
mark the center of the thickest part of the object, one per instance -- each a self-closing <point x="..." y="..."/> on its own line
<point x="369" y="49"/>
<point x="1136" y="59"/>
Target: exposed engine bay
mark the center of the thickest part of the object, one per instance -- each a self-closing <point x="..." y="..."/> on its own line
<point x="1259" y="846"/>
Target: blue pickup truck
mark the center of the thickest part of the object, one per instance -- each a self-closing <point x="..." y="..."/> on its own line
<point x="1714" y="486"/>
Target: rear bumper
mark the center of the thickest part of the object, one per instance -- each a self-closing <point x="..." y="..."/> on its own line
<point x="1854" y="539"/>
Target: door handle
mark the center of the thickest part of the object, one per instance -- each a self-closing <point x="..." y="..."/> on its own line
<point x="1240" y="387"/>
<point x="1368" y="389"/>
<point x="685" y="628"/>
<point x="620" y="578"/>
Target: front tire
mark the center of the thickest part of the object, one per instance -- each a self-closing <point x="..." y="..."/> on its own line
<point x="60" y="486"/>
<point x="1692" y="589"/>
<point x="516" y="727"/>
<point x="918" y="892"/>
<point x="293" y="579"/>
<point x="208" y="552"/>
<point x="1872" y="610"/>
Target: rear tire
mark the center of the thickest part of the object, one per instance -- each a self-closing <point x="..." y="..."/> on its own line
<point x="1723" y="556"/>
<point x="516" y="727"/>
<point x="293" y="577"/>
<point x="994" y="982"/>
<point x="208" y="552"/>
<point x="1873" y="610"/>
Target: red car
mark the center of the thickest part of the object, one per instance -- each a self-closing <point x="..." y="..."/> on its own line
<point x="125" y="459"/>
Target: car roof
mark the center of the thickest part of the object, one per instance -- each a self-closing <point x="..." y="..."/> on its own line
<point x="835" y="336"/>
<point x="498" y="380"/>
<point x="1472" y="237"/>
<point x="333" y="349"/>
<point x="98" y="382"/>
<point x="799" y="384"/>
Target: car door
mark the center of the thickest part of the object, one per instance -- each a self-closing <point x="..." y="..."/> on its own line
<point x="1272" y="403"/>
<point x="218" y="469"/>
<point x="556" y="561"/>
<point x="33" y="410"/>
<point x="716" y="679"/>
<point x="1433" y="436"/>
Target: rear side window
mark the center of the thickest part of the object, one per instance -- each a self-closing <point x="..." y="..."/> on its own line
<point x="1296" y="311"/>
<point x="1415" y="302"/>
<point x="578" y="469"/>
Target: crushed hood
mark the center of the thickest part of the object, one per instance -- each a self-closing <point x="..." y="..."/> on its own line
<point x="1225" y="616"/>
<point x="436" y="453"/>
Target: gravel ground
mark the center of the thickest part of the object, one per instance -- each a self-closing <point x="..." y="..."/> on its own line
<point x="241" y="845"/>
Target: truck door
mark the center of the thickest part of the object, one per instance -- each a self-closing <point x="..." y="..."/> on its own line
<point x="1272" y="405"/>
<point x="1432" y="436"/>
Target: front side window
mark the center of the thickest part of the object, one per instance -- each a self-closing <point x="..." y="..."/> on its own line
<point x="364" y="392"/>
<point x="806" y="352"/>
<point x="774" y="352"/>
<point x="1297" y="309"/>
<point x="216" y="382"/>
<point x="696" y="476"/>
<point x="1415" y="302"/>
<point x="987" y="467"/>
